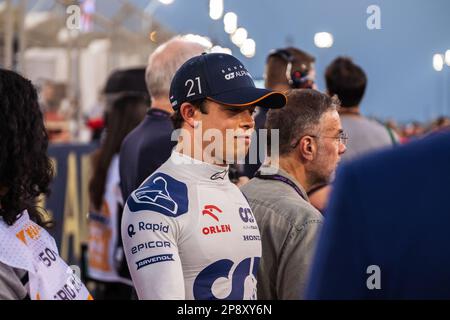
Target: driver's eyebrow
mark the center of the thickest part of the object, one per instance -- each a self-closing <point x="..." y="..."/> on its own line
<point x="233" y="108"/>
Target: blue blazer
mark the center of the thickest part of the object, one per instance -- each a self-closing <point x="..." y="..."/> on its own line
<point x="387" y="229"/>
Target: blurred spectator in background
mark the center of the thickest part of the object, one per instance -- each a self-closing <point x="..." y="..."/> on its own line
<point x="311" y="142"/>
<point x="47" y="96"/>
<point x="288" y="68"/>
<point x="395" y="130"/>
<point x="441" y="124"/>
<point x="56" y="118"/>
<point x="96" y="127"/>
<point x="413" y="130"/>
<point x="127" y="101"/>
<point x="348" y="81"/>
<point x="148" y="146"/>
<point x="94" y="119"/>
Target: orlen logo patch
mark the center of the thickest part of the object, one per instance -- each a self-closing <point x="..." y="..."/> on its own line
<point x="31" y="231"/>
<point x="209" y="209"/>
<point x="213" y="211"/>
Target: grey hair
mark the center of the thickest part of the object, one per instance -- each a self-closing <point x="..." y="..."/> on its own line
<point x="302" y="113"/>
<point x="165" y="61"/>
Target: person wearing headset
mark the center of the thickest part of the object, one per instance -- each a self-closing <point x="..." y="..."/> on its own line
<point x="290" y="68"/>
<point x="286" y="69"/>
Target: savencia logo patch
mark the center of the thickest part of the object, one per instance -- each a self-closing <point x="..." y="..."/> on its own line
<point x="160" y="193"/>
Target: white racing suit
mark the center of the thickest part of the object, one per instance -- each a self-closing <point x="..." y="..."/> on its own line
<point x="189" y="233"/>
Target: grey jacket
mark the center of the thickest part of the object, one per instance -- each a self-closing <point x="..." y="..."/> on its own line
<point x="289" y="227"/>
<point x="13" y="283"/>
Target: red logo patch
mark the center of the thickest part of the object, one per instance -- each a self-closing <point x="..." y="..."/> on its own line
<point x="209" y="208"/>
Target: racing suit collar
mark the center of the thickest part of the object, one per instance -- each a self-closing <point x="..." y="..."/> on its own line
<point x="199" y="170"/>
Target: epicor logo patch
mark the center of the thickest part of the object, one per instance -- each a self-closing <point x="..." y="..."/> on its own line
<point x="150" y="245"/>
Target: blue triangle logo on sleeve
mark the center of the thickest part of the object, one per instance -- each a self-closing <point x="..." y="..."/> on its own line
<point x="160" y="193"/>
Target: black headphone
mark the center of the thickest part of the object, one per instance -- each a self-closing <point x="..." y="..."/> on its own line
<point x="296" y="78"/>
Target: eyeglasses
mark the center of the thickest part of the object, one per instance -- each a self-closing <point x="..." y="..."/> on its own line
<point x="341" y="137"/>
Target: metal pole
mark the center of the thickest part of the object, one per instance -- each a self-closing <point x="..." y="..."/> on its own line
<point x="446" y="109"/>
<point x="149" y="11"/>
<point x="9" y="30"/>
<point x="22" y="37"/>
<point x="77" y="65"/>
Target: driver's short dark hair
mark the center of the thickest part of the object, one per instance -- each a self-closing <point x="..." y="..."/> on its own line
<point x="177" y="118"/>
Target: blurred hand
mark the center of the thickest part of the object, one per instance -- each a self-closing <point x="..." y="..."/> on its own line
<point x="242" y="180"/>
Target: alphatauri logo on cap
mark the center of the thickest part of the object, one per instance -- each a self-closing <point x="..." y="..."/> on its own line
<point x="234" y="72"/>
<point x="229" y="76"/>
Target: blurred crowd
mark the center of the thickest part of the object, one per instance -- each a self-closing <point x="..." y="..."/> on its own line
<point x="61" y="118"/>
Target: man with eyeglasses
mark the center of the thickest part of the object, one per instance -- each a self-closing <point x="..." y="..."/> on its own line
<point x="311" y="142"/>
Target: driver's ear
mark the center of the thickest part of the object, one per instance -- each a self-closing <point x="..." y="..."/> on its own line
<point x="189" y="113"/>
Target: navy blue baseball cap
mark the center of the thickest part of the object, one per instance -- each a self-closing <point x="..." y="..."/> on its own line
<point x="221" y="78"/>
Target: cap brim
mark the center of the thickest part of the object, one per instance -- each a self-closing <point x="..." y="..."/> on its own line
<point x="244" y="97"/>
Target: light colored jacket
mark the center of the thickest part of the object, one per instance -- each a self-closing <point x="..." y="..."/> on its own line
<point x="289" y="227"/>
<point x="12" y="283"/>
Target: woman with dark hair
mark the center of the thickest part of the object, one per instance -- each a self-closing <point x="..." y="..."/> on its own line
<point x="30" y="266"/>
<point x="105" y="257"/>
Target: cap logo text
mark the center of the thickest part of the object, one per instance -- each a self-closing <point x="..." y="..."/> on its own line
<point x="229" y="76"/>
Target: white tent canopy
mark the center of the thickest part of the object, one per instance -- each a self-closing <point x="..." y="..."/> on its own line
<point x="35" y="40"/>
